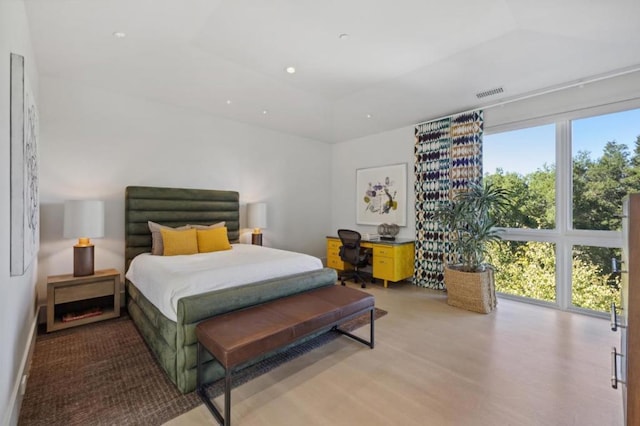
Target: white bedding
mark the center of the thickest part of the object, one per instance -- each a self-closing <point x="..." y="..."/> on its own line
<point x="165" y="279"/>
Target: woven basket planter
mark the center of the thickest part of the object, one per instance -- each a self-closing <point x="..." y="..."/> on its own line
<point x="473" y="291"/>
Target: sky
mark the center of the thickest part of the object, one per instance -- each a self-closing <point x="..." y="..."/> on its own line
<point x="524" y="151"/>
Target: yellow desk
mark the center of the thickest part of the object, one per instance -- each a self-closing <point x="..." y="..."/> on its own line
<point x="391" y="261"/>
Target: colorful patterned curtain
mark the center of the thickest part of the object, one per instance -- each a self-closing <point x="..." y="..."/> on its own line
<point x="448" y="156"/>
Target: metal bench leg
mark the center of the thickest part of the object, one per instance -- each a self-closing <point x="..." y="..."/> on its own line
<point x="370" y="343"/>
<point x="227" y="398"/>
<point x="371" y="328"/>
<point x="200" y="390"/>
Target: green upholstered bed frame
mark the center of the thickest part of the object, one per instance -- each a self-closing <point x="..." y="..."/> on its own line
<point x="174" y="343"/>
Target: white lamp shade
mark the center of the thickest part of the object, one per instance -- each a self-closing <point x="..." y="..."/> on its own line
<point x="83" y="219"/>
<point x="257" y="215"/>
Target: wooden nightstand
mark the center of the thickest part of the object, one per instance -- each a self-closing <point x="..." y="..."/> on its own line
<point x="67" y="294"/>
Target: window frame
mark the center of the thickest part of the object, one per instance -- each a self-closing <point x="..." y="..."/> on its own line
<point x="563" y="236"/>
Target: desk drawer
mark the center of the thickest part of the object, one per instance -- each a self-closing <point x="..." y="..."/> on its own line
<point x="333" y="252"/>
<point x="384" y="251"/>
<point x="333" y="244"/>
<point x="383" y="268"/>
<point x="335" y="263"/>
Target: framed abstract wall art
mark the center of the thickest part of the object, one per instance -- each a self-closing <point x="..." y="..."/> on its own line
<point x="381" y="194"/>
<point x="25" y="204"/>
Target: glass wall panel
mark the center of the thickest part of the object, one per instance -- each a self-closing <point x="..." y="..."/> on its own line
<point x="525" y="268"/>
<point x="599" y="162"/>
<point x="595" y="283"/>
<point x="606" y="167"/>
<point x="523" y="161"/>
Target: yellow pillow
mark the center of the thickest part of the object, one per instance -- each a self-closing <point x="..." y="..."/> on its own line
<point x="179" y="242"/>
<point x="215" y="239"/>
<point x="156" y="237"/>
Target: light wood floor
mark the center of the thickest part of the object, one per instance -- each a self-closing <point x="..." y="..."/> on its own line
<point x="438" y="365"/>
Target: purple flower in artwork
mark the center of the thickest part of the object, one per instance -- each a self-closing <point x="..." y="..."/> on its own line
<point x="370" y="192"/>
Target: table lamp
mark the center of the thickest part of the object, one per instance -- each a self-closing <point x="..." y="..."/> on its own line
<point x="83" y="219"/>
<point x="257" y="218"/>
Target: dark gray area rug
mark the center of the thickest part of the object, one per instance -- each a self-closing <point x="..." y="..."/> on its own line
<point x="104" y="374"/>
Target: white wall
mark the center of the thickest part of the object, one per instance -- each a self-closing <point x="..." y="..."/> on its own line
<point x="17" y="294"/>
<point x="393" y="147"/>
<point x="95" y="143"/>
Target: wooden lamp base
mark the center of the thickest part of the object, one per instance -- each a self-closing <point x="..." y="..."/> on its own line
<point x="83" y="260"/>
<point x="256" y="239"/>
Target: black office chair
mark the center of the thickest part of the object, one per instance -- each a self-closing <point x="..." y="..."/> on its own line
<point x="353" y="254"/>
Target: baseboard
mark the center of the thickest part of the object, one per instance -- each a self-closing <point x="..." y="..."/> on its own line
<point x="15" y="400"/>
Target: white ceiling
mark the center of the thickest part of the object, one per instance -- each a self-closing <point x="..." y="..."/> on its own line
<point x="404" y="61"/>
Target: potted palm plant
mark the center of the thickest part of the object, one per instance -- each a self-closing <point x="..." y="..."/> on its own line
<point x="469" y="220"/>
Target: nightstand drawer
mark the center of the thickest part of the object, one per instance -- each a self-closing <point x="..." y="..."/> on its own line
<point x="74" y="293"/>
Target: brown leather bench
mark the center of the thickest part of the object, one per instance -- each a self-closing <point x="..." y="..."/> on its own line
<point x="240" y="336"/>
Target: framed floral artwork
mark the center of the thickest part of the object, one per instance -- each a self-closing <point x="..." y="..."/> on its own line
<point x="25" y="204"/>
<point x="381" y="194"/>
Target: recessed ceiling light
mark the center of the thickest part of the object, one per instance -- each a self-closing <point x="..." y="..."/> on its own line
<point x="228" y="101"/>
<point x="265" y="112"/>
<point x="290" y="70"/>
<point x="343" y="36"/>
<point x="369" y="116"/>
<point x="119" y="34"/>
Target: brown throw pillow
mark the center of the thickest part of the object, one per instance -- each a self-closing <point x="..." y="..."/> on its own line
<point x="204" y="227"/>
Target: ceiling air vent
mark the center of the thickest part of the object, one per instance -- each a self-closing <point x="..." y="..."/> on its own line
<point x="489" y="92"/>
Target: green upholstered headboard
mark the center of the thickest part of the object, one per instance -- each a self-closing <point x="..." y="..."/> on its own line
<point x="175" y="207"/>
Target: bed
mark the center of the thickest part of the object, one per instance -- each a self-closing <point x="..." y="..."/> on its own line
<point x="172" y="337"/>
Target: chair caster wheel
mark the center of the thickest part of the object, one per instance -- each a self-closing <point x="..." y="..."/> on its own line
<point x="342" y="282"/>
<point x="363" y="286"/>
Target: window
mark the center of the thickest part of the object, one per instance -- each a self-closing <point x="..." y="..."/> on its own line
<point x="595" y="284"/>
<point x="606" y="167"/>
<point x="525" y="268"/>
<point x="529" y="172"/>
<point x="568" y="179"/>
